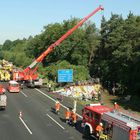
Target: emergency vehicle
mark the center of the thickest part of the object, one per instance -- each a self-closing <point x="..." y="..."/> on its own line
<point x="3" y="98"/>
<point x="116" y="125"/>
<point x="13" y="86"/>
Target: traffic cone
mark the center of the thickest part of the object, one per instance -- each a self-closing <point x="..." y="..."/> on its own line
<point x="20" y="114"/>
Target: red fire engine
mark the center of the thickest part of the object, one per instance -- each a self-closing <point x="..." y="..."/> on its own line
<point x="116" y="125"/>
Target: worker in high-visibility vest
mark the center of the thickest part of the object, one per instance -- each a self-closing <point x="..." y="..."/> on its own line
<point x="74" y="118"/>
<point x="67" y="115"/>
<point x="116" y="106"/>
<point x="57" y="107"/>
<point x="14" y="75"/>
<point x="99" y="129"/>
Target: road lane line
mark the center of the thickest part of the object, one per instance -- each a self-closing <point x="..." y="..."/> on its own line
<point x="23" y="93"/>
<point x="45" y="95"/>
<point x="55" y="101"/>
<point x="55" y="121"/>
<point x="26" y="125"/>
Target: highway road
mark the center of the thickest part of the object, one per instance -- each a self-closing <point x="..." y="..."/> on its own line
<point x="38" y="121"/>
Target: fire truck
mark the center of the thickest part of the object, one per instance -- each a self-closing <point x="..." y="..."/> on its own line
<point x="29" y="75"/>
<point x="116" y="125"/>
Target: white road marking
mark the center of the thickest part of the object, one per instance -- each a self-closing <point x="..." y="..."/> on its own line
<point x="55" y="101"/>
<point x="23" y="93"/>
<point x="45" y="95"/>
<point x="55" y="121"/>
<point x="26" y="125"/>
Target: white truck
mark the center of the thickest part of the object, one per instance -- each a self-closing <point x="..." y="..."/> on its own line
<point x="3" y="98"/>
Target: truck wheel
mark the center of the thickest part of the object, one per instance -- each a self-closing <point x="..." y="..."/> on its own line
<point x="87" y="132"/>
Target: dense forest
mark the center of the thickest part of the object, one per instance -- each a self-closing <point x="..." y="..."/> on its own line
<point x="111" y="53"/>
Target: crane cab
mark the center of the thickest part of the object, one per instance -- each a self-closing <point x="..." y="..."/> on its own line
<point x="13" y="87"/>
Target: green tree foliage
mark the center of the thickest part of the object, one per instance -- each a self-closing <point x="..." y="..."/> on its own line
<point x="7" y="45"/>
<point x="14" y="52"/>
<point x="77" y="49"/>
<point x="117" y="57"/>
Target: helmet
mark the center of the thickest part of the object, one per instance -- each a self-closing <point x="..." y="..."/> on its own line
<point x="101" y="124"/>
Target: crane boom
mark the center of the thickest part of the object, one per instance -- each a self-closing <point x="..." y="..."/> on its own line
<point x="52" y="46"/>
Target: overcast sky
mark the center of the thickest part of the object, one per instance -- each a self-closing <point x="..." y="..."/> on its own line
<point x="22" y="18"/>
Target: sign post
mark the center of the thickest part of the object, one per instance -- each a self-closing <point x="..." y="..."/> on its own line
<point x="75" y="105"/>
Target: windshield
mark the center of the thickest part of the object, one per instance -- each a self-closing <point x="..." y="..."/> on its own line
<point x="14" y="85"/>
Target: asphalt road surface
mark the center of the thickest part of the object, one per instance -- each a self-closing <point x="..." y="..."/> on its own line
<point x="29" y="116"/>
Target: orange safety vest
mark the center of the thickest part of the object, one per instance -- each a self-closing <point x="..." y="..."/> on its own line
<point x="99" y="128"/>
<point x="133" y="134"/>
<point x="67" y="114"/>
<point x="74" y="117"/>
<point x="57" y="106"/>
<point x="116" y="106"/>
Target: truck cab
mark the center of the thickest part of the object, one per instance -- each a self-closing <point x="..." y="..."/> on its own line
<point x="92" y="117"/>
<point x="13" y="87"/>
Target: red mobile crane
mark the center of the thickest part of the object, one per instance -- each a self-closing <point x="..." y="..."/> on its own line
<point x="30" y="76"/>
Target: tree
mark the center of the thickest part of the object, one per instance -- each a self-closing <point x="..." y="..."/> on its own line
<point x="7" y="45"/>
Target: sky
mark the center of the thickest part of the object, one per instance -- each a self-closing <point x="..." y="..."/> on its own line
<point x="21" y="18"/>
